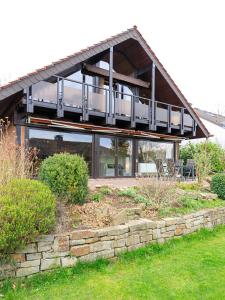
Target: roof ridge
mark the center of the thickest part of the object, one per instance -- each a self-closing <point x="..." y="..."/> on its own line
<point x="67" y="57"/>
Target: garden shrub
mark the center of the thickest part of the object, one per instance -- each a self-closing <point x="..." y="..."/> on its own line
<point x="218" y="185"/>
<point x="97" y="197"/>
<point x="129" y="192"/>
<point x="27" y="209"/>
<point x="214" y="152"/>
<point x="194" y="186"/>
<point x="105" y="190"/>
<point x="66" y="175"/>
<point x="203" y="163"/>
<point x="187" y="152"/>
<point x="15" y="161"/>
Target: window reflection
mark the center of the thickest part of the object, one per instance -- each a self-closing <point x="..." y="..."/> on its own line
<point x="50" y="142"/>
<point x="124" y="157"/>
<point x="149" y="152"/>
<point x="107" y="151"/>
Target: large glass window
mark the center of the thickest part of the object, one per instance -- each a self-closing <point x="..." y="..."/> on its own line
<point x="149" y="152"/>
<point x="49" y="142"/>
<point x="107" y="151"/>
<point x="115" y="156"/>
<point x="125" y="152"/>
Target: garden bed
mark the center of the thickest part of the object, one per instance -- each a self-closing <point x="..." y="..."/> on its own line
<point x="107" y="206"/>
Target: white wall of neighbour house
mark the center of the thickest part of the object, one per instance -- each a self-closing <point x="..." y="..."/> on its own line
<point x="218" y="133"/>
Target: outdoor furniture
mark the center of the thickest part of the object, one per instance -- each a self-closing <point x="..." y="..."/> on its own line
<point x="171" y="170"/>
<point x="189" y="169"/>
<point x="179" y="165"/>
<point x="160" y="168"/>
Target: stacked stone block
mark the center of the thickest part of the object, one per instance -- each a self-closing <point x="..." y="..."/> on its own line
<point x="65" y="250"/>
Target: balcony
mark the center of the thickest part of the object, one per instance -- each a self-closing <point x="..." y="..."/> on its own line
<point x="89" y="100"/>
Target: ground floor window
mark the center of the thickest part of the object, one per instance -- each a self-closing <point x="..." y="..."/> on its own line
<point x="125" y="157"/>
<point x="115" y="156"/>
<point x="149" y="153"/>
<point x="107" y="156"/>
<point x="49" y="142"/>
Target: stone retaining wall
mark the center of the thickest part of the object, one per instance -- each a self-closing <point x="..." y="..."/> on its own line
<point x="64" y="250"/>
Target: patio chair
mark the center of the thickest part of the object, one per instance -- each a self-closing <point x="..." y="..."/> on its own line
<point x="189" y="169"/>
<point x="179" y="164"/>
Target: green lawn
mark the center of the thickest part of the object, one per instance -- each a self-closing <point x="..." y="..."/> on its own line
<point x="189" y="268"/>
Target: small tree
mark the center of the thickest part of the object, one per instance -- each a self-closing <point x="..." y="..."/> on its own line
<point x="203" y="162"/>
<point x="187" y="152"/>
<point x="213" y="150"/>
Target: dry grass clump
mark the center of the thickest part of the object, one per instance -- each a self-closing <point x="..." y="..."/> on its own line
<point x="15" y="161"/>
<point x="161" y="193"/>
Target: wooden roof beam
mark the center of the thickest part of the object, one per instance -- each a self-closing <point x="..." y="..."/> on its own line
<point x="93" y="70"/>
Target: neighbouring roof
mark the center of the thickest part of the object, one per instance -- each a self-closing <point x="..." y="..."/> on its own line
<point x="216" y="119"/>
<point x="71" y="60"/>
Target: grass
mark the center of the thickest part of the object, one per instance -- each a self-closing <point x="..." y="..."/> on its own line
<point x="189" y="268"/>
<point x="188" y="205"/>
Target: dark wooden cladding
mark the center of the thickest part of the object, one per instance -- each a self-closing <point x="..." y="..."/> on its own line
<point x="93" y="70"/>
<point x="131" y="56"/>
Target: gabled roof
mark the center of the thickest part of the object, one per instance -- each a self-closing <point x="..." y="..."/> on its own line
<point x="69" y="61"/>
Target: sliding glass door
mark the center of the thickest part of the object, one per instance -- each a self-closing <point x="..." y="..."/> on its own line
<point x="107" y="156"/>
<point x="125" y="155"/>
<point x="114" y="157"/>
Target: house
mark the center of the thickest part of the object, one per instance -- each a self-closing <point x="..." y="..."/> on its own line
<point x="114" y="103"/>
<point x="215" y="123"/>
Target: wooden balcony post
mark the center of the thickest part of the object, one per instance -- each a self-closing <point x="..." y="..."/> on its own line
<point x="169" y="118"/>
<point x="133" y="117"/>
<point x="182" y="121"/>
<point x="60" y="90"/>
<point x="30" y="104"/>
<point x="109" y="118"/>
<point x="152" y="121"/>
<point x="85" y="116"/>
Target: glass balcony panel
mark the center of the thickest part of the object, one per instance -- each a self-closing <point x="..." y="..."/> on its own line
<point x="97" y="101"/>
<point x="162" y="114"/>
<point x="141" y="110"/>
<point x="45" y="91"/>
<point x="72" y="97"/>
<point x="188" y="121"/>
<point x="123" y="107"/>
<point x="175" y="118"/>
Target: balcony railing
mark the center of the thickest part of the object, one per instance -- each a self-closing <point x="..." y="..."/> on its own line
<point x="91" y="99"/>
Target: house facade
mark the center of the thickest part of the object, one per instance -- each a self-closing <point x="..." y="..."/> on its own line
<point x="113" y="103"/>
